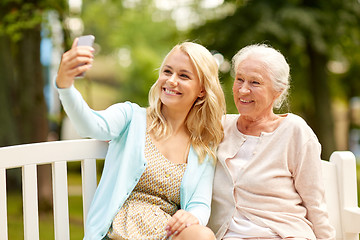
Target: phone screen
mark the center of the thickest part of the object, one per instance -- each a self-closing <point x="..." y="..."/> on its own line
<point x="87" y="40"/>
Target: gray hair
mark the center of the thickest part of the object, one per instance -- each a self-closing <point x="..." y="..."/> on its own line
<point x="275" y="64"/>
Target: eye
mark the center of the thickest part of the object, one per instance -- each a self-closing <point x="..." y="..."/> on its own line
<point x="184" y="76"/>
<point x="240" y="79"/>
<point x="167" y="71"/>
<point x="255" y="82"/>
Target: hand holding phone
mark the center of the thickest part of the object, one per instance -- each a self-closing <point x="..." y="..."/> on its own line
<point x="87" y="40"/>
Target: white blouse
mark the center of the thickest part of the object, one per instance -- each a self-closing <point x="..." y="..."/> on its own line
<point x="240" y="226"/>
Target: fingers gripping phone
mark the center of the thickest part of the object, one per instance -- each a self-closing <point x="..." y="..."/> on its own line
<point x="87" y="40"/>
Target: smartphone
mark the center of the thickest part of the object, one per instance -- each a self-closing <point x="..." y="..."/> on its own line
<point x="87" y="40"/>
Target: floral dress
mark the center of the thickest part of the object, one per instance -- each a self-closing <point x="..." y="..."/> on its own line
<point x="153" y="201"/>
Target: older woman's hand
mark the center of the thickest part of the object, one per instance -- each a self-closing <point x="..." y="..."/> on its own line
<point x="179" y="221"/>
<point x="74" y="62"/>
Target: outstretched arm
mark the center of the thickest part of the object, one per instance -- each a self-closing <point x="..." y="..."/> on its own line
<point x="104" y="125"/>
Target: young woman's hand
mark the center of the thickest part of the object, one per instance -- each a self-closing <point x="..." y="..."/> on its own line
<point x="74" y="62"/>
<point x="179" y="221"/>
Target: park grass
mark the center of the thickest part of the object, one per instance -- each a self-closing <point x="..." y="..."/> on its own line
<point x="46" y="219"/>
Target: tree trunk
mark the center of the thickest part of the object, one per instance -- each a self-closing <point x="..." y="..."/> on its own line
<point x="321" y="118"/>
<point x="32" y="119"/>
<point x="8" y="131"/>
<point x="23" y="108"/>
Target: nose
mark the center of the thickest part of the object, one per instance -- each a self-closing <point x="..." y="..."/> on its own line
<point x="173" y="80"/>
<point x="244" y="88"/>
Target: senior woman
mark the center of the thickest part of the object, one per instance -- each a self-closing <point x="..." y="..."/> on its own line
<point x="268" y="182"/>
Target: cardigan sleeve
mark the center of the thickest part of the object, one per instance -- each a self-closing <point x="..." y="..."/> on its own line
<point x="309" y="185"/>
<point x="104" y="125"/>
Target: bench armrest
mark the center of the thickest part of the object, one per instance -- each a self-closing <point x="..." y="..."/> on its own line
<point x="352" y="219"/>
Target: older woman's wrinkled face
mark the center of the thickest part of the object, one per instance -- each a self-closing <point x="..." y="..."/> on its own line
<point x="253" y="91"/>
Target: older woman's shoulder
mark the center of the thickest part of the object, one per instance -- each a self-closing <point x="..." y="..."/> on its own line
<point x="298" y="124"/>
<point x="229" y="119"/>
<point x="293" y="117"/>
<point x="296" y="119"/>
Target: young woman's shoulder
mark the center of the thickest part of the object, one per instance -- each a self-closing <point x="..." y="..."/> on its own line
<point x="127" y="107"/>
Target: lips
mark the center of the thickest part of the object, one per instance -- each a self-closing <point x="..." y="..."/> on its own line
<point x="246" y="101"/>
<point x="171" y="92"/>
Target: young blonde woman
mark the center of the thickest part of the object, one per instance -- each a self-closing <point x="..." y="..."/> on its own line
<point x="158" y="172"/>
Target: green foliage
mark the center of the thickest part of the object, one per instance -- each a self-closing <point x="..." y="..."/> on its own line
<point x="26" y="16"/>
<point x="142" y="74"/>
<point x="19" y="15"/>
<point x="313" y="35"/>
<point x="133" y="28"/>
<point x="330" y="27"/>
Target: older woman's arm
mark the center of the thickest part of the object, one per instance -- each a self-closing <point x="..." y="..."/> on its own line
<point x="308" y="182"/>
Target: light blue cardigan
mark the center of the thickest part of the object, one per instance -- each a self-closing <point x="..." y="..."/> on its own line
<point x="124" y="124"/>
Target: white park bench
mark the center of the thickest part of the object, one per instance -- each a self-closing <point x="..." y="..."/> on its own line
<point x="339" y="177"/>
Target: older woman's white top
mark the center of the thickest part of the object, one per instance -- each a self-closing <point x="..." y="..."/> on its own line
<point x="240" y="226"/>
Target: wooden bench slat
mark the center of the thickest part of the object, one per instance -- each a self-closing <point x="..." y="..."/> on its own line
<point x="352" y="222"/>
<point x="345" y="162"/>
<point x="332" y="195"/>
<point x="30" y="202"/>
<point x="89" y="184"/>
<point x="60" y="201"/>
<point x="3" y="208"/>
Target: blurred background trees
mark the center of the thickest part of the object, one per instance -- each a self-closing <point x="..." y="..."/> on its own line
<point x="315" y="36"/>
<point x="23" y="110"/>
<point x="320" y="39"/>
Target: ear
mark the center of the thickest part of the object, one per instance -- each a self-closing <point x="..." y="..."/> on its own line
<point x="277" y="95"/>
<point x="202" y="93"/>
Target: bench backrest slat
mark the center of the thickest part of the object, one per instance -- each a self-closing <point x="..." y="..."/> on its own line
<point x="3" y="208"/>
<point x="89" y="183"/>
<point x="347" y="183"/>
<point x="332" y="195"/>
<point x="30" y="202"/>
<point x="60" y="200"/>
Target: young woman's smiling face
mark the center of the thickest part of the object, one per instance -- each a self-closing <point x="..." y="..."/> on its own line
<point x="179" y="82"/>
<point x="253" y="91"/>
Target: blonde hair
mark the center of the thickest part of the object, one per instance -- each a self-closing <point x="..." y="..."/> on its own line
<point x="204" y="118"/>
